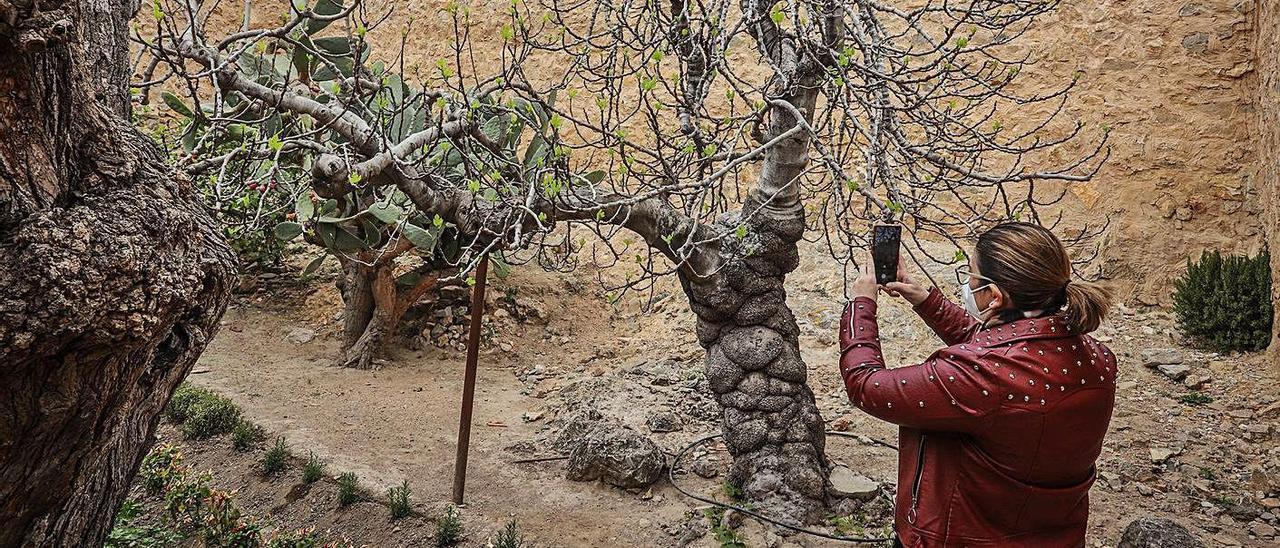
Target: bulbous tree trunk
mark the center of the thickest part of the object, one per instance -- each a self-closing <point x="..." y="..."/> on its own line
<point x="114" y="275"/>
<point x="771" y="423"/>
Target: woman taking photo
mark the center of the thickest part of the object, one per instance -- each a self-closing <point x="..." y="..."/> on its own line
<point x="1000" y="429"/>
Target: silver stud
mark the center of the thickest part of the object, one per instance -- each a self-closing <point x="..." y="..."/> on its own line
<point x="922" y="404"/>
<point x="904" y="382"/>
<point x="1081" y="381"/>
<point x="1010" y="396"/>
<point x="930" y="377"/>
<point x="1101" y="378"/>
<point x="1040" y="352"/>
<point x="1026" y="398"/>
<point x="1031" y="382"/>
<point x="951" y="378"/>
<point x="1062" y="389"/>
<point x="984" y="393"/>
<point x="877" y="384"/>
<point x="1064" y="371"/>
<point x="1041" y="402"/>
<point x="890" y="404"/>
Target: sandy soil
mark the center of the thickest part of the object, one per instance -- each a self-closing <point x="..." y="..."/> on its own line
<point x="400" y="422"/>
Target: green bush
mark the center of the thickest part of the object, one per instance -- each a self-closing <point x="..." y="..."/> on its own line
<point x="509" y="537"/>
<point x="128" y="534"/>
<point x="449" y="528"/>
<point x="398" y="501"/>
<point x="183" y="399"/>
<point x="210" y="417"/>
<point x="247" y="434"/>
<point x="161" y="467"/>
<point x="1224" y="303"/>
<point x="275" y="458"/>
<point x="313" y="470"/>
<point x="347" y="488"/>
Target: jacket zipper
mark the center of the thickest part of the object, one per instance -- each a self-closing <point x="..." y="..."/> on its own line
<point x="915" y="488"/>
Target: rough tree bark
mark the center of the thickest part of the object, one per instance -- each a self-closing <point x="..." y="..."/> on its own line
<point x="771" y="424"/>
<point x="373" y="305"/>
<point x="114" y="275"/>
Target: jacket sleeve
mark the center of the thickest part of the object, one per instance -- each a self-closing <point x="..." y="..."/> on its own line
<point x="952" y="390"/>
<point x="949" y="320"/>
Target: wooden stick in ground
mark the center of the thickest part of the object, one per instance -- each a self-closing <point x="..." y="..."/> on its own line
<point x="469" y="384"/>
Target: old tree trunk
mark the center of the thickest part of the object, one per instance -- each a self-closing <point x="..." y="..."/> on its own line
<point x="114" y="278"/>
<point x="771" y="424"/>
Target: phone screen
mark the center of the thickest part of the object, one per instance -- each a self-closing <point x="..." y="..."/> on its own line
<point x="885" y="241"/>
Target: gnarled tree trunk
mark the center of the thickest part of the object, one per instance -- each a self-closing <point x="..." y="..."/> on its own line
<point x="114" y="275"/>
<point x="771" y="423"/>
<point x="372" y="307"/>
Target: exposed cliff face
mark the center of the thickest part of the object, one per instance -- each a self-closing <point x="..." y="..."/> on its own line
<point x="1267" y="48"/>
<point x="1175" y="81"/>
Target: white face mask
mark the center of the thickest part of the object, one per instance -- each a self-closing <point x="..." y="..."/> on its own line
<point x="970" y="303"/>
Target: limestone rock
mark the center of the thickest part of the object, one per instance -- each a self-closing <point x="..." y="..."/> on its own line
<point x="1175" y="371"/>
<point x="618" y="456"/>
<point x="845" y="483"/>
<point x="576" y="428"/>
<point x="664" y="421"/>
<point x="1152" y="357"/>
<point x="300" y="335"/>
<point x="1150" y="532"/>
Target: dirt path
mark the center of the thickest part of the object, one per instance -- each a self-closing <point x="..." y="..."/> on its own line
<point x="399" y="423"/>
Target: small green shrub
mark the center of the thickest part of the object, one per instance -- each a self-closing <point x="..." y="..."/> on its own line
<point x="509" y="537"/>
<point x="210" y="416"/>
<point x="185" y="496"/>
<point x="275" y="459"/>
<point x="246" y="435"/>
<point x="723" y="532"/>
<point x="398" y="501"/>
<point x="225" y="526"/>
<point x="307" y="537"/>
<point x="1224" y="303"/>
<point x="313" y="470"/>
<point x="125" y="533"/>
<point x="160" y="467"/>
<point x="183" y="399"/>
<point x="449" y="528"/>
<point x="348" y="487"/>
<point x="1196" y="399"/>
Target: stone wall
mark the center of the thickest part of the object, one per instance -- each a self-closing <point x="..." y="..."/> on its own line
<point x="1176" y="81"/>
<point x="1267" y="48"/>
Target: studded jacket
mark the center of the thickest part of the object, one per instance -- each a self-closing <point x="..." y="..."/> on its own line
<point x="999" y="431"/>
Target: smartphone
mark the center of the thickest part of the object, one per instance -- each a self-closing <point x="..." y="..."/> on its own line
<point x="885" y="243"/>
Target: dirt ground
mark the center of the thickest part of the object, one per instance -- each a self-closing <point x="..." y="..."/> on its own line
<point x="1213" y="467"/>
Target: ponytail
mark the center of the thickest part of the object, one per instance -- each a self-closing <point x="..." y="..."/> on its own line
<point x="1087" y="304"/>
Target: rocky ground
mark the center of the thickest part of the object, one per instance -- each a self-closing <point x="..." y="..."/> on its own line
<point x="571" y="387"/>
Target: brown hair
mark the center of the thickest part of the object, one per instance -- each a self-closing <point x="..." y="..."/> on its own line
<point x="1031" y="266"/>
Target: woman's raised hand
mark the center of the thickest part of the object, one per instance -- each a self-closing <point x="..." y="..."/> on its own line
<point x="906" y="287"/>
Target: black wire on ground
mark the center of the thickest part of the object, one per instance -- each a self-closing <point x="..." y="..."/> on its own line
<point x="675" y="463"/>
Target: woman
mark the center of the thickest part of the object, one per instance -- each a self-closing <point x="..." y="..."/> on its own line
<point x="1000" y="430"/>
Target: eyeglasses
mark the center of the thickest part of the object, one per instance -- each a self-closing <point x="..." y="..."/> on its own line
<point x="963" y="274"/>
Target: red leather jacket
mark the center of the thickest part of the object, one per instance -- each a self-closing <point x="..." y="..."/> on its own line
<point x="999" y="431"/>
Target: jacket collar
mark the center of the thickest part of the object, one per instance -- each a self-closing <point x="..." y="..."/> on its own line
<point x="1052" y="326"/>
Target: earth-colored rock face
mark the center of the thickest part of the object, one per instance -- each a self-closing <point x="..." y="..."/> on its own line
<point x="1174" y="81"/>
<point x="1268" y="137"/>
